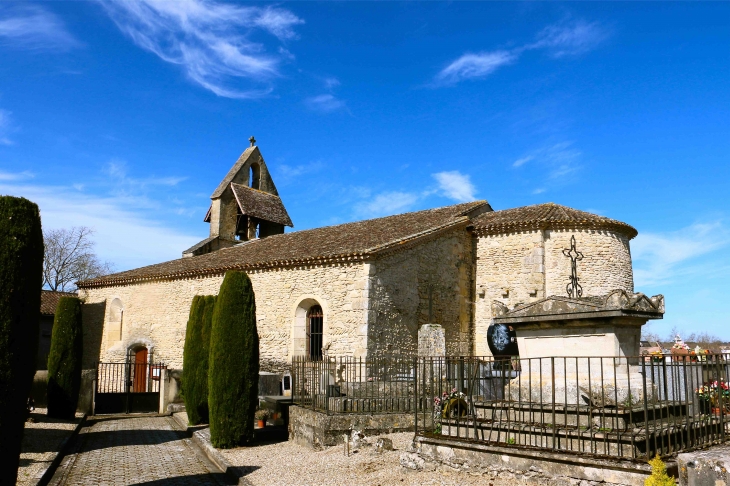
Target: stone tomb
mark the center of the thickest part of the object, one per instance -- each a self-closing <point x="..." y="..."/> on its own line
<point x="581" y="350"/>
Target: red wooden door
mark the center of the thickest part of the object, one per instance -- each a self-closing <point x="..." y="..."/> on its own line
<point x="140" y="371"/>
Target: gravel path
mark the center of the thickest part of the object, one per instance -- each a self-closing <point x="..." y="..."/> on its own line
<point x="285" y="463"/>
<point x="41" y="441"/>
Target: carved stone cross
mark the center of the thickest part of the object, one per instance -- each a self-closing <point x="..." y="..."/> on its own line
<point x="573" y="288"/>
<point x="252" y="140"/>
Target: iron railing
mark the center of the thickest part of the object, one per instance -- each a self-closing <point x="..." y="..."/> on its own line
<point x="617" y="407"/>
<point x="355" y="385"/>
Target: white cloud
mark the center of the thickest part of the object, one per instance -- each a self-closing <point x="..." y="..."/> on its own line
<point x="285" y="174"/>
<point x="665" y="257"/>
<point x="209" y="39"/>
<point x="386" y="204"/>
<point x="559" y="40"/>
<point x="570" y="38"/>
<point x="5" y="127"/>
<point x="32" y="27"/>
<point x="455" y="185"/>
<point x="522" y="161"/>
<point x="560" y="160"/>
<point x="124" y="235"/>
<point x="117" y="172"/>
<point x="470" y="66"/>
<point x="15" y="176"/>
<point x="325" y="103"/>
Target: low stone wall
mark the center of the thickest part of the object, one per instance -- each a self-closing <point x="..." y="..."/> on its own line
<point x="86" y="392"/>
<point x="514" y="461"/>
<point x="316" y="429"/>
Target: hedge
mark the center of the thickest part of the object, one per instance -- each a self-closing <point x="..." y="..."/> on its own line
<point x="21" y="278"/>
<point x="234" y="363"/>
<point x="64" y="359"/>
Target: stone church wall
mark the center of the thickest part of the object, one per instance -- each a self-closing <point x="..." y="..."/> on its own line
<point x="523" y="267"/>
<point x="155" y="314"/>
<point x="399" y="295"/>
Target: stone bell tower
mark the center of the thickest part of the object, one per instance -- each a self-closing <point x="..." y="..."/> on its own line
<point x="244" y="206"/>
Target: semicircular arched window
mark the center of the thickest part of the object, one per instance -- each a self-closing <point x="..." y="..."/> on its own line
<point x="315" y="331"/>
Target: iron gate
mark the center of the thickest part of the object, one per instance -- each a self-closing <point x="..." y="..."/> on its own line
<point x="129" y="387"/>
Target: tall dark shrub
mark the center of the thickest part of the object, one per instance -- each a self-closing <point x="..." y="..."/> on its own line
<point x="64" y="359"/>
<point x="21" y="278"/>
<point x="202" y="372"/>
<point x="234" y="363"/>
<point x="192" y="355"/>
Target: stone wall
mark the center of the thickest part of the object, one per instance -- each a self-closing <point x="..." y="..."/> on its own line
<point x="399" y="295"/>
<point x="523" y="267"/>
<point x="156" y="313"/>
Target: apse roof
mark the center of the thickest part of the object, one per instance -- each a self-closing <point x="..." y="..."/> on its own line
<point x="541" y="216"/>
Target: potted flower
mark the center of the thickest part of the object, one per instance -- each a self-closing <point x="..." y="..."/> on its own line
<point x="261" y="417"/>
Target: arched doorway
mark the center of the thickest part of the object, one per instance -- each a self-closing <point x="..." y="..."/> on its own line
<point x="315" y="332"/>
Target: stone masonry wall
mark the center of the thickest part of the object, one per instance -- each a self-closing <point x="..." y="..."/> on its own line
<point x="606" y="263"/>
<point x="399" y="295"/>
<point x="523" y="267"/>
<point x="156" y="313"/>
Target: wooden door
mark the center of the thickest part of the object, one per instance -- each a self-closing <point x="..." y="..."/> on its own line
<point x="140" y="371"/>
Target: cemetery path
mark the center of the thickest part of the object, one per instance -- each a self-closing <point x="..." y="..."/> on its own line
<point x="141" y="450"/>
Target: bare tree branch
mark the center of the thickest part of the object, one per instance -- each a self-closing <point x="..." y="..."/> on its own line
<point x="69" y="257"/>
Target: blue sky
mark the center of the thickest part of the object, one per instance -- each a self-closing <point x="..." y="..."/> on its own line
<point x="123" y="116"/>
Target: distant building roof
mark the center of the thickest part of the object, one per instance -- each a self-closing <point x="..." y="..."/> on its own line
<point x="330" y="244"/>
<point x="261" y="205"/>
<point x="49" y="301"/>
<point x="543" y="216"/>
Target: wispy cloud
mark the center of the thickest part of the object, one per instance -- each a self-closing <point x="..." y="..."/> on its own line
<point x="661" y="258"/>
<point x="286" y="174"/>
<point x="210" y="40"/>
<point x="32" y="27"/>
<point x="455" y="185"/>
<point x="386" y="203"/>
<point x="470" y="66"/>
<point x="15" y="176"/>
<point x="5" y="127"/>
<point x="325" y="103"/>
<point x="117" y="171"/>
<point x="567" y="38"/>
<point x="570" y="38"/>
<point x="559" y="162"/>
<point x="522" y="161"/>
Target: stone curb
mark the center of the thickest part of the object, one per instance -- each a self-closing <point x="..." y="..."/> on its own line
<point x="201" y="439"/>
<point x="62" y="452"/>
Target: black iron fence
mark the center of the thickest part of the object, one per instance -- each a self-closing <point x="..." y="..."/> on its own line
<point x="633" y="407"/>
<point x="619" y="407"/>
<point x="355" y="385"/>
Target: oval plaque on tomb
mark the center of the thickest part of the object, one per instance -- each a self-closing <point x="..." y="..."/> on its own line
<point x="502" y="340"/>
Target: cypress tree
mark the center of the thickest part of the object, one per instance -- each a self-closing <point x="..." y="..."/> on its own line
<point x="191" y="360"/>
<point x="21" y="279"/>
<point x="64" y="359"/>
<point x="233" y="373"/>
<point x="202" y="371"/>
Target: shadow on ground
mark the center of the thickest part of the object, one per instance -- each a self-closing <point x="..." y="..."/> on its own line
<point x="219" y="478"/>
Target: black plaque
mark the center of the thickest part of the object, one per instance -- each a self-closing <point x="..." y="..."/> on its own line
<point x="502" y="340"/>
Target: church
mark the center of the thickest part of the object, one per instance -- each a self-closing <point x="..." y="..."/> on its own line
<point x="358" y="289"/>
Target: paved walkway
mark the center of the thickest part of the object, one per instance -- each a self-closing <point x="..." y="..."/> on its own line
<point x="136" y="451"/>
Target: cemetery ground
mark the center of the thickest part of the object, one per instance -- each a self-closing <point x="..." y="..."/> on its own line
<point x="42" y="441"/>
<point x="154" y="450"/>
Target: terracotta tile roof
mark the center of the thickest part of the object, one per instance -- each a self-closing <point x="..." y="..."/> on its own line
<point x="261" y="205"/>
<point x="547" y="215"/>
<point x="49" y="301"/>
<point x="330" y="244"/>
